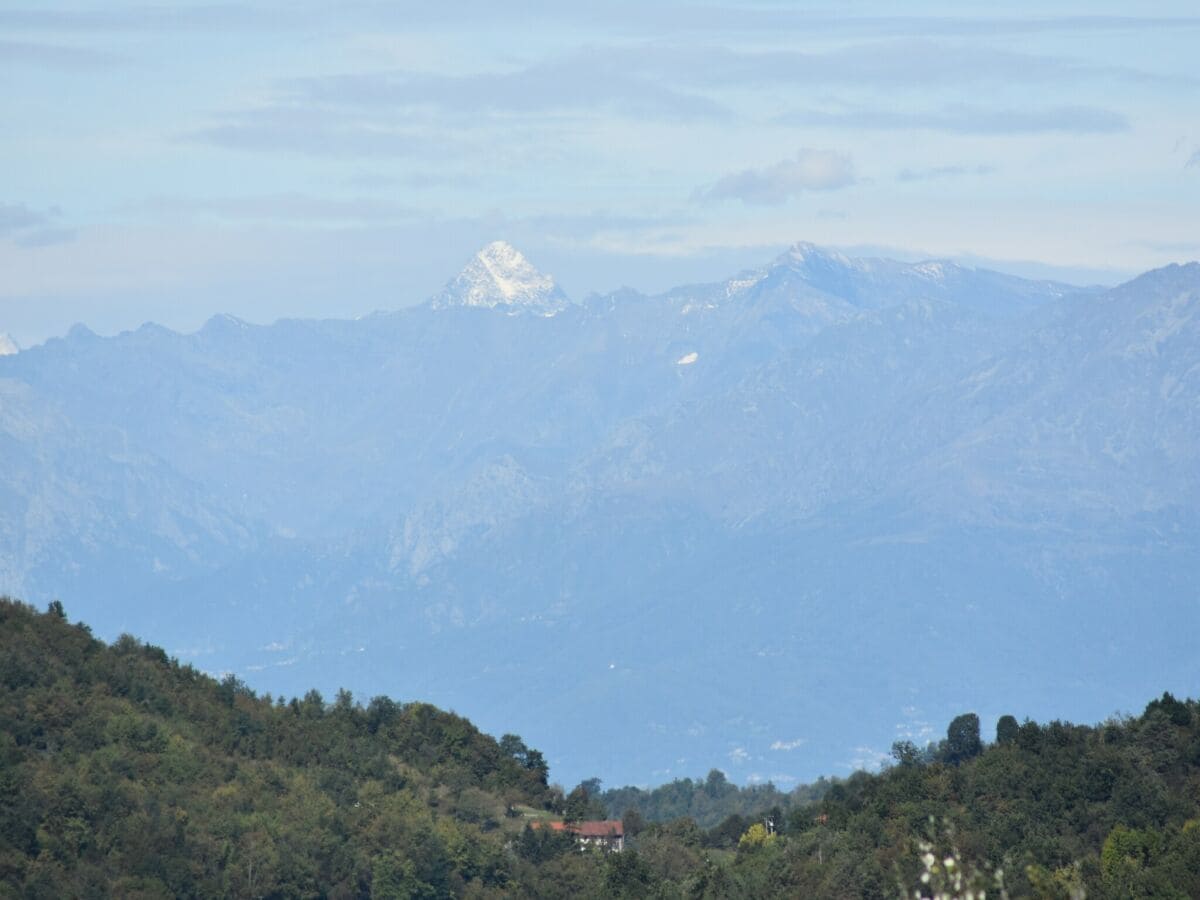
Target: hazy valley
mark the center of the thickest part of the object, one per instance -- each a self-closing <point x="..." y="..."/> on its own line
<point x="753" y="524"/>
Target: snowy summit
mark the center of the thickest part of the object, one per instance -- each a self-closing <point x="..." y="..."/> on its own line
<point x="500" y="276"/>
<point x="7" y="345"/>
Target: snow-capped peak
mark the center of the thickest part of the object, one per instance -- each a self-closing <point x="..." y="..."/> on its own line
<point x="803" y="253"/>
<point x="500" y="276"/>
<point x="7" y="345"/>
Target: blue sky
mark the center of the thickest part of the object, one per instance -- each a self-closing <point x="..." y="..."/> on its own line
<point x="169" y="161"/>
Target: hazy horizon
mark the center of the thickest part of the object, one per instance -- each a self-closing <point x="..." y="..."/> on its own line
<point x="274" y="160"/>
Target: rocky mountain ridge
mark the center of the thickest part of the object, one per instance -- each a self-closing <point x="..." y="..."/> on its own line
<point x="499" y="276"/>
<point x="798" y="476"/>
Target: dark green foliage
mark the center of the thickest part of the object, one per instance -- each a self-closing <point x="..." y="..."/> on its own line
<point x="906" y="753"/>
<point x="633" y="822"/>
<point x="1177" y="712"/>
<point x="962" y="739"/>
<point x="1007" y="730"/>
<point x="583" y="802"/>
<point x="538" y="845"/>
<point x="124" y="773"/>
<point x="627" y="875"/>
<point x="726" y="834"/>
<point x="576" y="807"/>
<point x="1114" y="810"/>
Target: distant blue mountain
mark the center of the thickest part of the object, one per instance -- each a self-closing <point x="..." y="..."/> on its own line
<point x="768" y="525"/>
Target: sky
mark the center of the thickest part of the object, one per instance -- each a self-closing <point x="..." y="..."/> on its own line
<point x="169" y="161"/>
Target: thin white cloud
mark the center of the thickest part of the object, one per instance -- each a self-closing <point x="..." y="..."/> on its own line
<point x="1187" y="247"/>
<point x="887" y="64"/>
<point x="17" y="217"/>
<point x="808" y="170"/>
<point x="867" y="759"/>
<point x="418" y="181"/>
<point x="47" y="237"/>
<point x="625" y="16"/>
<point x="136" y="18"/>
<point x="283" y="207"/>
<point x="789" y="745"/>
<point x="357" y="114"/>
<point x="29" y="227"/>
<point x="588" y="79"/>
<point x="53" y="56"/>
<point x="937" y="172"/>
<point x="963" y="119"/>
<point x="914" y="728"/>
<point x="420" y="114"/>
<point x="322" y="132"/>
<point x="690" y="18"/>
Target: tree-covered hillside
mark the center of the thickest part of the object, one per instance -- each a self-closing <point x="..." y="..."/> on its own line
<point x="1062" y="810"/>
<point x="126" y="774"/>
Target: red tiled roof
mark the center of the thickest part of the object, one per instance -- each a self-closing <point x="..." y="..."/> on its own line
<point x="609" y="828"/>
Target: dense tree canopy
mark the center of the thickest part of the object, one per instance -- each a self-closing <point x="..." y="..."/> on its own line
<point x="125" y="773"/>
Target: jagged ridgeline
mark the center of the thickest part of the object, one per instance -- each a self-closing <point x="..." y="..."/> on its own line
<point x="889" y="490"/>
<point x="126" y="774"/>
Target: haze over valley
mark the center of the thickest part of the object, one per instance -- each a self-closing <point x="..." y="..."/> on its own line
<point x="675" y="448"/>
<point x="767" y="523"/>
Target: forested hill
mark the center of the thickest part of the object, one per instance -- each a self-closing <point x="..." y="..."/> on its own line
<point x="126" y="774"/>
<point x="1050" y="811"/>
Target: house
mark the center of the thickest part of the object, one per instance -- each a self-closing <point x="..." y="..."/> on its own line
<point x="607" y="835"/>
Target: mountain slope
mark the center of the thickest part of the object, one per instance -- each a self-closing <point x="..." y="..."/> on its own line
<point x="803" y="474"/>
<point x="500" y="276"/>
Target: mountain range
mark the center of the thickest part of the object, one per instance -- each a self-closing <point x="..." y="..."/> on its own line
<point x="750" y="524"/>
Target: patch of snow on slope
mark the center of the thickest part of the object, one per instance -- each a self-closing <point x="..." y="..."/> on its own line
<point x="737" y="285"/>
<point x="934" y="271"/>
